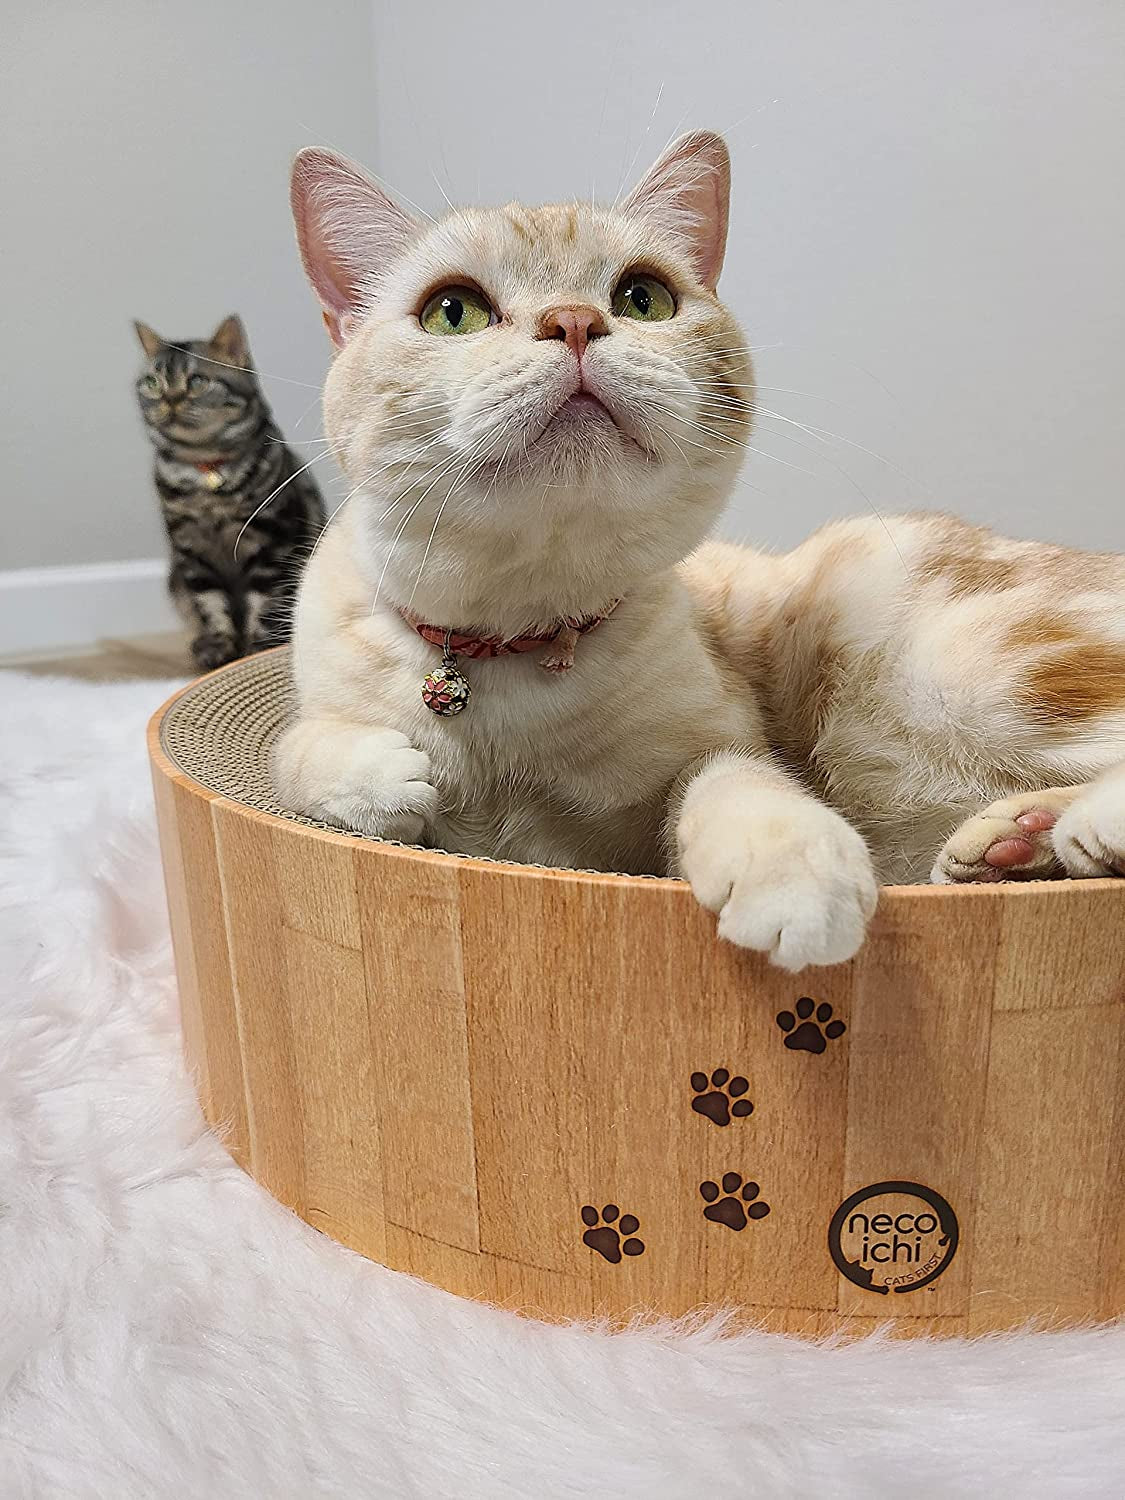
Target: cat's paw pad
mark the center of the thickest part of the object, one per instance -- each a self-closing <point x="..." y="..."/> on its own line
<point x="213" y="649"/>
<point x="1009" y="840"/>
<point x="733" y="1202"/>
<point x="718" y="1098"/>
<point x="610" y="1235"/>
<point x="803" y="1032"/>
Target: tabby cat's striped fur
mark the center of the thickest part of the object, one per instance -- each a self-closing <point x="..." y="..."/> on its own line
<point x="236" y="552"/>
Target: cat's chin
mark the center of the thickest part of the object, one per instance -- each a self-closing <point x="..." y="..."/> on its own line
<point x="583" y="433"/>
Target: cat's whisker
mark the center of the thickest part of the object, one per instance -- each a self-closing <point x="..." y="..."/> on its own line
<point x="448" y="201"/>
<point x="461" y="478"/>
<point x="785" y="463"/>
<point x="444" y="468"/>
<point x="316" y="458"/>
<point x="209" y="359"/>
<point x="822" y="435"/>
<point x="640" y="146"/>
<point x="698" y="426"/>
<point x="366" y="480"/>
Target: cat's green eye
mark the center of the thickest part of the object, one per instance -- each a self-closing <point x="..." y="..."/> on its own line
<point x="643" y="298"/>
<point x="457" y="309"/>
<point x="197" y="383"/>
<point x="150" y="386"/>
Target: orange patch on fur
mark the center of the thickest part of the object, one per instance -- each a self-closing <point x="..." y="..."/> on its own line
<point x="965" y="573"/>
<point x="1078" y="681"/>
<point x="1046" y="628"/>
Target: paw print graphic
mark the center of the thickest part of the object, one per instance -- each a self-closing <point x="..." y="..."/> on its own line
<point x="610" y="1235"/>
<point x="718" y="1099"/>
<point x="802" y="1033"/>
<point x="734" y="1204"/>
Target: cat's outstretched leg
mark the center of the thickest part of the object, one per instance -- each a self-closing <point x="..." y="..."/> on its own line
<point x="1076" y="831"/>
<point x="787" y="875"/>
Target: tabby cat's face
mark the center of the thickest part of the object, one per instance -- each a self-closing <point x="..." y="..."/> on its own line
<point x="198" y="392"/>
<point x="509" y="375"/>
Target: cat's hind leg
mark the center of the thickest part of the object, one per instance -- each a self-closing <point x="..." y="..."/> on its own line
<point x="1076" y="831"/>
<point x="1008" y="840"/>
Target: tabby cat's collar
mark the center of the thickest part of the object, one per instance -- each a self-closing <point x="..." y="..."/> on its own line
<point x="211" y="470"/>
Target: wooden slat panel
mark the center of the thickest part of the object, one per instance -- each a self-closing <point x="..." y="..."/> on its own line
<point x="327" y="1000"/>
<point x="215" y="1046"/>
<point x="192" y="997"/>
<point x="1112" y="1252"/>
<point x="1061" y="947"/>
<point x="464" y="1272"/>
<point x="795" y="1144"/>
<point x="919" y="1053"/>
<point x="255" y="941"/>
<point x="529" y="986"/>
<point x="550" y="1295"/>
<point x="1050" y="1168"/>
<point x="647" y="1149"/>
<point x="819" y="1325"/>
<point x="526" y="1289"/>
<point x="317" y="892"/>
<point x="416" y="1018"/>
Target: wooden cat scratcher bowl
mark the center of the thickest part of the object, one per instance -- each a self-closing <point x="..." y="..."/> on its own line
<point x="560" y="1092"/>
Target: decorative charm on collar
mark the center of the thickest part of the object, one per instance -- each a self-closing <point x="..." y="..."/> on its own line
<point x="212" y="473"/>
<point x="446" y="690"/>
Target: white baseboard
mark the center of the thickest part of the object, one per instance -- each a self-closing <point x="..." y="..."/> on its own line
<point x="45" y="608"/>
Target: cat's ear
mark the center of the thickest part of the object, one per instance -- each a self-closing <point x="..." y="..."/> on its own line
<point x="229" y="344"/>
<point x="151" y="342"/>
<point x="348" y="232"/>
<point x="687" y="194"/>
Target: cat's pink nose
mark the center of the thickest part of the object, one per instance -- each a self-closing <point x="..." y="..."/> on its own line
<point x="575" y="322"/>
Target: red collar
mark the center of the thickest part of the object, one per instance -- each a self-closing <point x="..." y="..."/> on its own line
<point x="479" y="647"/>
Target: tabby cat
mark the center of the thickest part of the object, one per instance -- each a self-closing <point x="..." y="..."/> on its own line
<point x="543" y="411"/>
<point x="236" y="552"/>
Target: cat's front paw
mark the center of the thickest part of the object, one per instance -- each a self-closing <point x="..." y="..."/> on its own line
<point x="371" y="780"/>
<point x="214" y="649"/>
<point x="787" y="876"/>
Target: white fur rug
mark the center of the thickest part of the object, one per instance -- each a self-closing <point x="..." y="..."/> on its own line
<point x="166" y="1329"/>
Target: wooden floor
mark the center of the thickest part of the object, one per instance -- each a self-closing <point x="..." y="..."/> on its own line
<point x="141" y="658"/>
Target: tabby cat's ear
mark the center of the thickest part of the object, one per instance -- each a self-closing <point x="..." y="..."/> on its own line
<point x="687" y="194"/>
<point x="151" y="342"/>
<point x="229" y="344"/>
<point x="348" y="232"/>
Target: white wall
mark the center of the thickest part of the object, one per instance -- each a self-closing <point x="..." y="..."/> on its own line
<point x="927" y="244"/>
<point x="928" y="234"/>
<point x="144" y="149"/>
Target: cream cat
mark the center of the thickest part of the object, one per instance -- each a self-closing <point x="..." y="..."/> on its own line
<point x="542" y="412"/>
